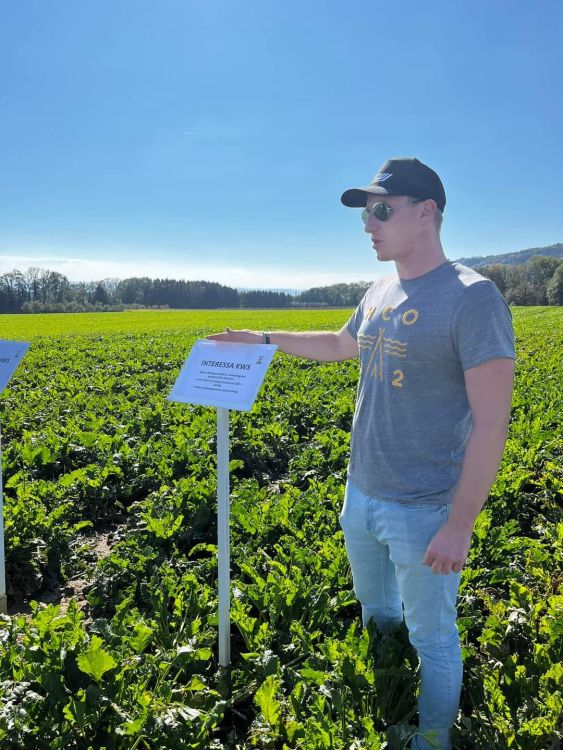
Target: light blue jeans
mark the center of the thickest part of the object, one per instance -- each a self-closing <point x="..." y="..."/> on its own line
<point x="386" y="542"/>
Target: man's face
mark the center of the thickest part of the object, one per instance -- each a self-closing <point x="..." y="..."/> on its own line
<point x="398" y="236"/>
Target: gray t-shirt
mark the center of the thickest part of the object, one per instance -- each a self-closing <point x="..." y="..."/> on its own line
<point x="412" y="419"/>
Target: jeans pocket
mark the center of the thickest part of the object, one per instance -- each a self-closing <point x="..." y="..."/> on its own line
<point x="423" y="506"/>
<point x="418" y="527"/>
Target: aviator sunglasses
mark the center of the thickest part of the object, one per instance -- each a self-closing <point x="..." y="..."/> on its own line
<point x="382" y="211"/>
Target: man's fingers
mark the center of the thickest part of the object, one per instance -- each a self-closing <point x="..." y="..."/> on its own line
<point x="235" y="335"/>
<point x="443" y="566"/>
<point x="441" y="562"/>
<point x="221" y="336"/>
<point x="440" y="567"/>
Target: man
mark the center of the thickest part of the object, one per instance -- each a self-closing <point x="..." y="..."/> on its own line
<point x="436" y="351"/>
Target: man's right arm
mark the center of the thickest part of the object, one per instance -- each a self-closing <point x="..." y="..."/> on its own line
<point x="322" y="346"/>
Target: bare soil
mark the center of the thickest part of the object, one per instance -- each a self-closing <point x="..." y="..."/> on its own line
<point x="98" y="546"/>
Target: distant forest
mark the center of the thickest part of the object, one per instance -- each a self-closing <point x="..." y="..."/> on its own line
<point x="40" y="290"/>
<point x="537" y="282"/>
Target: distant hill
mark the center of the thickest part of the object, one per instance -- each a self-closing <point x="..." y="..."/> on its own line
<point x="513" y="259"/>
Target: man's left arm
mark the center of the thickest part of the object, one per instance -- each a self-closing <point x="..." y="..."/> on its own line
<point x="489" y="391"/>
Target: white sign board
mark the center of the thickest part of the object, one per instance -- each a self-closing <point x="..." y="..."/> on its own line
<point x="11" y="354"/>
<point x="223" y="374"/>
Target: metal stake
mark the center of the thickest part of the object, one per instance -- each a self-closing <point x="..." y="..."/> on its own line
<point x="3" y="598"/>
<point x="223" y="536"/>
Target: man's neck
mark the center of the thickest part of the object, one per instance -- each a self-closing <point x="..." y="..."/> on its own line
<point x="419" y="263"/>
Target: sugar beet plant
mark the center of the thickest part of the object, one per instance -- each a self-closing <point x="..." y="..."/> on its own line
<point x="92" y="450"/>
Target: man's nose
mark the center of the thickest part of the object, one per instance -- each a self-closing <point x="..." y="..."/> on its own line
<point x="371" y="223"/>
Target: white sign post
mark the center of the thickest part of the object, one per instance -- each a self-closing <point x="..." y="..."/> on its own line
<point x="227" y="376"/>
<point x="11" y="353"/>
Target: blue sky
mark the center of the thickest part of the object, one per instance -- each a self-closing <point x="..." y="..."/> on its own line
<point x="212" y="138"/>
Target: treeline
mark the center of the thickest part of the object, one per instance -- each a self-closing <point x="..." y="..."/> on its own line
<point x="537" y="282"/>
<point x="40" y="290"/>
<point x="337" y="295"/>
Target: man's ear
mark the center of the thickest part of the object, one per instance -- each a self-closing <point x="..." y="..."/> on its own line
<point x="429" y="208"/>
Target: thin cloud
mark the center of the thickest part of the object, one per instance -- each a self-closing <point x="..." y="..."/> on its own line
<point x="87" y="269"/>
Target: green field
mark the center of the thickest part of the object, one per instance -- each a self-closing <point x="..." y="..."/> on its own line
<point x="192" y="321"/>
<point x="110" y="515"/>
<point x="195" y="321"/>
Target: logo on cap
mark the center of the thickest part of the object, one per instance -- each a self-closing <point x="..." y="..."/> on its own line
<point x="382" y="176"/>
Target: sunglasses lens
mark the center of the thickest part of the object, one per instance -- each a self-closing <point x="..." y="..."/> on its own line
<point x="381" y="210"/>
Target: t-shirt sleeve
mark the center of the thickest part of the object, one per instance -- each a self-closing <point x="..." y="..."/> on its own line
<point x="356" y="318"/>
<point x="482" y="327"/>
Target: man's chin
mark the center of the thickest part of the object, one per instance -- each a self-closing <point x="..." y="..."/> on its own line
<point x="380" y="253"/>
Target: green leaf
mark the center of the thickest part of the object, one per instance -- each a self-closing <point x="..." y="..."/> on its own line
<point x="95" y="661"/>
<point x="314" y="675"/>
<point x="141" y="637"/>
<point x="164" y="527"/>
<point x="75" y="710"/>
<point x="196" y="684"/>
<point x="132" y="727"/>
<point x="265" y="698"/>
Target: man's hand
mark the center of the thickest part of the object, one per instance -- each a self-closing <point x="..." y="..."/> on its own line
<point x="239" y="337"/>
<point x="448" y="549"/>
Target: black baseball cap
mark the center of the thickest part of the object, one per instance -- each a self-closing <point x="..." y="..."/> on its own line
<point x="400" y="176"/>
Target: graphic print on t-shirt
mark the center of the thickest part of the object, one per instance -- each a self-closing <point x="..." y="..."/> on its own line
<point x="382" y="345"/>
